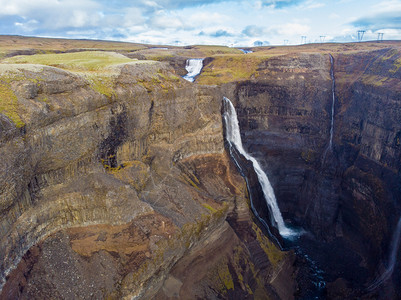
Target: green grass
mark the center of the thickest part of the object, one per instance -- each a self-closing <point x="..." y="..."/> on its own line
<point x="209" y="50"/>
<point x="78" y="61"/>
<point x="230" y="68"/>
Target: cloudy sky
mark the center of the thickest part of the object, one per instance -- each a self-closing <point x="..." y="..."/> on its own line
<point x="185" y="22"/>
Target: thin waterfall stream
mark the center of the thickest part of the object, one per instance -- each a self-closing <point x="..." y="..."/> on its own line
<point x="395" y="244"/>
<point x="333" y="89"/>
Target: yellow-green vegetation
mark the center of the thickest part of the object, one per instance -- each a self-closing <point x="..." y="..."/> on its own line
<point x="205" y="205"/>
<point x="102" y="84"/>
<point x="238" y="257"/>
<point x="397" y="65"/>
<point x="223" y="276"/>
<point x="191" y="179"/>
<point x="373" y="80"/>
<point x="78" y="61"/>
<point x="8" y="100"/>
<point x="209" y="50"/>
<point x="229" y="68"/>
<point x="273" y="253"/>
<point x="107" y="166"/>
<point x="14" y="43"/>
<point x="161" y="80"/>
<point x="391" y="54"/>
<point x="9" y="103"/>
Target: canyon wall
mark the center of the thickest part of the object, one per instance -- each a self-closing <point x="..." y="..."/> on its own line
<point x="109" y="179"/>
<point x="119" y="174"/>
<point x="346" y="197"/>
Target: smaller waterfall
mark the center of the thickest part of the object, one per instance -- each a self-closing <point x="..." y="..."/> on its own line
<point x="395" y="244"/>
<point x="194" y="67"/>
<point x="333" y="86"/>
<point x="233" y="136"/>
<point x="246" y="51"/>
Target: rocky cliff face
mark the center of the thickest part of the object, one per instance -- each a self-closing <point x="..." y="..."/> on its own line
<point x="111" y="176"/>
<point x="115" y="171"/>
<point x="346" y="197"/>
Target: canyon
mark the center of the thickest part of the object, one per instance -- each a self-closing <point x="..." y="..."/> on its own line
<point x="117" y="181"/>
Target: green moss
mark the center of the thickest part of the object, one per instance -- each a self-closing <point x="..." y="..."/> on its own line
<point x="102" y="84"/>
<point x="273" y="253"/>
<point x="225" y="276"/>
<point x="9" y="103"/>
<point x="213" y="210"/>
<point x="43" y="99"/>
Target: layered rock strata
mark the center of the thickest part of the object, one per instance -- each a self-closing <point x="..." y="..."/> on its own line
<point x="347" y="197"/>
<point x="110" y="178"/>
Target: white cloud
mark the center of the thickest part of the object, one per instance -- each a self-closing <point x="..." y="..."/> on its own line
<point x="389" y="5"/>
<point x="236" y="22"/>
<point x="334" y="16"/>
<point x="201" y="18"/>
<point x="163" y="20"/>
<point x="290" y="29"/>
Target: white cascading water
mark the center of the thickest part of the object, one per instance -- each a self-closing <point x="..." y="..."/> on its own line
<point x="333" y="86"/>
<point x="246" y="51"/>
<point x="234" y="137"/>
<point x="395" y="244"/>
<point x="194" y="67"/>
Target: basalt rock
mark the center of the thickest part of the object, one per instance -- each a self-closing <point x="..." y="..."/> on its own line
<point x="346" y="197"/>
<point x="110" y="179"/>
<point x="116" y="182"/>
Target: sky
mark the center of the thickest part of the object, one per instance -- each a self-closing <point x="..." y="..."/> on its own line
<point x="188" y="22"/>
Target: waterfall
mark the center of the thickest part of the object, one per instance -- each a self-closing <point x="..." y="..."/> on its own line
<point x="395" y="244"/>
<point x="193" y="67"/>
<point x="333" y="86"/>
<point x="245" y="51"/>
<point x="233" y="136"/>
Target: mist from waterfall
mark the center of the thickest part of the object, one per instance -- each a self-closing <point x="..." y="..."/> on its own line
<point x="395" y="244"/>
<point x="233" y="136"/>
<point x="194" y="67"/>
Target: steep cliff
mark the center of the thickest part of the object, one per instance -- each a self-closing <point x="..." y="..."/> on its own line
<point x="113" y="170"/>
<point x="116" y="182"/>
<point x="346" y="196"/>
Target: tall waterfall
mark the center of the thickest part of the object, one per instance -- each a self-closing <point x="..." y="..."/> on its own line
<point x="233" y="136"/>
<point x="395" y="244"/>
<point x="193" y="67"/>
<point x="333" y="86"/>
